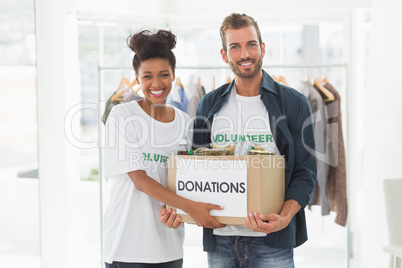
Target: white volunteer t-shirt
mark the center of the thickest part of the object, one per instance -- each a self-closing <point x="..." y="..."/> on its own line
<point x="135" y="141"/>
<point x="242" y="118"/>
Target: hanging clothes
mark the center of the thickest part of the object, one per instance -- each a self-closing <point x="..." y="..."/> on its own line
<point x="198" y="91"/>
<point x="336" y="181"/>
<point x="319" y="194"/>
<point x="178" y="98"/>
<point x="126" y="96"/>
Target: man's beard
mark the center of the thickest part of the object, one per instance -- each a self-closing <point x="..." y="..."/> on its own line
<point x="247" y="74"/>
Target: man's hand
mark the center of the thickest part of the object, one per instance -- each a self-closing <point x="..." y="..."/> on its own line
<point x="268" y="223"/>
<point x="169" y="218"/>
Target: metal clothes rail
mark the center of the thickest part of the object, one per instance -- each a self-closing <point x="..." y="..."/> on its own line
<point x="215" y="67"/>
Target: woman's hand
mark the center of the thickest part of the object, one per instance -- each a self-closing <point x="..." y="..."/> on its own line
<point x="201" y="214"/>
<point x="169" y="217"/>
<point x="199" y="211"/>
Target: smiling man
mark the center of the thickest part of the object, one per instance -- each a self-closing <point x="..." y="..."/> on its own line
<point x="254" y="105"/>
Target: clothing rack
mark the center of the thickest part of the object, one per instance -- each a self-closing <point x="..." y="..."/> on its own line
<point x="102" y="69"/>
<point x="117" y="68"/>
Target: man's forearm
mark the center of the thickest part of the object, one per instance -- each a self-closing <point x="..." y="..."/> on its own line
<point x="290" y="208"/>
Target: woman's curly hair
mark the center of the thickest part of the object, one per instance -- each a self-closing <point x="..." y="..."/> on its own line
<point x="148" y="45"/>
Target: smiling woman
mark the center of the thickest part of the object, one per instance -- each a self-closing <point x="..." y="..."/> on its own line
<point x="138" y="187"/>
<point x="154" y="64"/>
<point x="155" y="77"/>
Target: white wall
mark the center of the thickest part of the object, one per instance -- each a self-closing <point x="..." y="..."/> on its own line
<point x="58" y="91"/>
<point x="383" y="125"/>
<point x="216" y="10"/>
<point x="150" y="7"/>
<point x="185" y="7"/>
<point x="180" y="7"/>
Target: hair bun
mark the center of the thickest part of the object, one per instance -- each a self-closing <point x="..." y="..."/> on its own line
<point x="145" y="40"/>
<point x="168" y="37"/>
<point x="147" y="45"/>
<point x="135" y="41"/>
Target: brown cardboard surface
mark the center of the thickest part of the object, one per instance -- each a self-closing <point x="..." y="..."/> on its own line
<point x="265" y="183"/>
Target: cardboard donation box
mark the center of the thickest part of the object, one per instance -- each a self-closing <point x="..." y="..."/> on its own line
<point x="240" y="184"/>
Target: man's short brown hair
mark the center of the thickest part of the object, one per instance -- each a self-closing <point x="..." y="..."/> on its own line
<point x="237" y="21"/>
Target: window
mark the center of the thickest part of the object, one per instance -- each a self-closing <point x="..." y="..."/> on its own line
<point x="19" y="195"/>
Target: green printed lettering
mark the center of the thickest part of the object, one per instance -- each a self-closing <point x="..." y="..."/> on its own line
<point x="242" y="138"/>
<point x="156" y="157"/>
<point x="269" y="138"/>
<point x="235" y="137"/>
<point x="215" y="138"/>
<point x="226" y="138"/>
<point x="220" y="138"/>
<point x="254" y="138"/>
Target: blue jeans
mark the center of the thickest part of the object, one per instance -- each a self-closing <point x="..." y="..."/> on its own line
<point x="246" y="251"/>
<point x="171" y="264"/>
